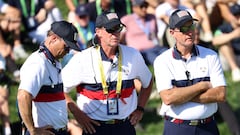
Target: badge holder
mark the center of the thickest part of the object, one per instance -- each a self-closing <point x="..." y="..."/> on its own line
<point x="112" y="106"/>
<point x="31" y="22"/>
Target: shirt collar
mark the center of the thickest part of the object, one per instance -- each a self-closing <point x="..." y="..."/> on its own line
<point x="177" y="54"/>
<point x="48" y="54"/>
<point x="104" y="56"/>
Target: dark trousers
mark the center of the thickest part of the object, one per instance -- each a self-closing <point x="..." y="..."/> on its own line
<point x="124" y="128"/>
<point x="184" y="129"/>
<point x="54" y="131"/>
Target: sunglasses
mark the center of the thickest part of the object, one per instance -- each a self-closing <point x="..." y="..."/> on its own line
<point x="115" y="29"/>
<point x="185" y="29"/>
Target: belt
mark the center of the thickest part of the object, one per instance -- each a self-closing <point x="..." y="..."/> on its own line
<point x="113" y="121"/>
<point x="63" y="129"/>
<point x="190" y="122"/>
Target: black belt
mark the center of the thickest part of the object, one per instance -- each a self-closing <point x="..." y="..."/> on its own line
<point x="113" y="121"/>
<point x="190" y="122"/>
<point x="63" y="129"/>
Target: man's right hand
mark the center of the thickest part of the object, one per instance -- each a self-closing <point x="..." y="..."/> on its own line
<point x="86" y="123"/>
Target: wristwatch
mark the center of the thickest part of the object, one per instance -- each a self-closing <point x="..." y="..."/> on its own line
<point x="139" y="108"/>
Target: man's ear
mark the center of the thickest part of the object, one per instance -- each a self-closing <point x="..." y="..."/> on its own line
<point x="53" y="38"/>
<point x="171" y="31"/>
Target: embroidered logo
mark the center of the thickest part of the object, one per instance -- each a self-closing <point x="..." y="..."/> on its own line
<point x="112" y="16"/>
<point x="182" y="14"/>
<point x="203" y="69"/>
<point x="125" y="70"/>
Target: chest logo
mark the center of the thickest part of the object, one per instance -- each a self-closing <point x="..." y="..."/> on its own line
<point x="203" y="69"/>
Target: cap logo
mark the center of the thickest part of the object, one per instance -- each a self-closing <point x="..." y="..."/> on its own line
<point x="182" y="13"/>
<point x="112" y="16"/>
<point x="75" y="36"/>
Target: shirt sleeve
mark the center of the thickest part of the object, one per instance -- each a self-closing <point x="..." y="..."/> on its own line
<point x="142" y="70"/>
<point x="163" y="75"/>
<point x="32" y="75"/>
<point x="71" y="73"/>
<point x="216" y="72"/>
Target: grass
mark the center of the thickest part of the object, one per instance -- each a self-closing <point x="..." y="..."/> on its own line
<point x="152" y="123"/>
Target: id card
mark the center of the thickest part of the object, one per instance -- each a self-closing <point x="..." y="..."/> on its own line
<point x="112" y="106"/>
<point x="31" y="21"/>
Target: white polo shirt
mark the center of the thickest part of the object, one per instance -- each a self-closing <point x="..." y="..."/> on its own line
<point x="170" y="70"/>
<point x="49" y="105"/>
<point x="83" y="72"/>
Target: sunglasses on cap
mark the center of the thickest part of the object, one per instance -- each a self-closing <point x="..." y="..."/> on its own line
<point x="185" y="29"/>
<point x="115" y="29"/>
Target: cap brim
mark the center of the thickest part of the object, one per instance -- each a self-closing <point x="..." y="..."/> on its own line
<point x="83" y="14"/>
<point x="72" y="45"/>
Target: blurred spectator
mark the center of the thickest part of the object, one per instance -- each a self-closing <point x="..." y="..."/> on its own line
<point x="227" y="39"/>
<point x="72" y="4"/>
<point x="6" y="53"/>
<point x="85" y="27"/>
<point x="152" y="5"/>
<point x="121" y="7"/>
<point x="218" y="11"/>
<point x="4" y="93"/>
<point x="37" y="16"/>
<point x="141" y="31"/>
<point x="10" y="27"/>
